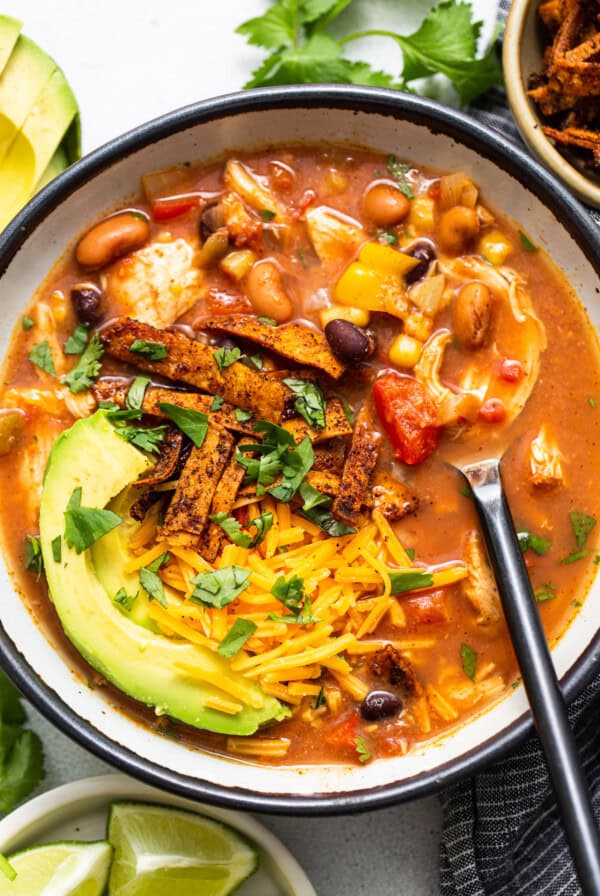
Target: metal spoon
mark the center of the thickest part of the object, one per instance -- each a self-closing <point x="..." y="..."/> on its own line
<point x="537" y="670"/>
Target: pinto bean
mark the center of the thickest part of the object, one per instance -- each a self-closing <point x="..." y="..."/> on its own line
<point x="472" y="314"/>
<point x="385" y="205"/>
<point x="457" y="227"/>
<point x="112" y="238"/>
<point x="265" y="289"/>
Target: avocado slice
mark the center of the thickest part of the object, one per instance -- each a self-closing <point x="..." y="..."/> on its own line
<point x="143" y="664"/>
<point x="35" y="144"/>
<point x="9" y="32"/>
<point x="23" y="78"/>
<point x="57" y="164"/>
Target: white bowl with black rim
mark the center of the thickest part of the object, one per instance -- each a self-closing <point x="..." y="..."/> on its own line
<point x="383" y="121"/>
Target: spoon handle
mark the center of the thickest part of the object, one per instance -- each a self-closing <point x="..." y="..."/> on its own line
<point x="539" y="676"/>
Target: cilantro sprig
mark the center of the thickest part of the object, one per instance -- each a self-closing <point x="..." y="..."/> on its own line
<point x="84" y="526"/>
<point x="302" y="51"/>
<point x="21" y="755"/>
<point x="233" y="529"/>
<point x="82" y="376"/>
<point x="220" y="587"/>
<point x="290" y="592"/>
<point x="277" y="456"/>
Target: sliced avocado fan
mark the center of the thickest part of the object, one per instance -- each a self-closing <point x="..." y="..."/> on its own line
<point x="144" y="664"/>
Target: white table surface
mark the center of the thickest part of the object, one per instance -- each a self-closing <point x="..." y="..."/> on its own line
<point x="128" y="62"/>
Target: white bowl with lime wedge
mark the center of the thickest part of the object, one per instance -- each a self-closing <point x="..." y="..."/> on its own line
<point x="152" y="833"/>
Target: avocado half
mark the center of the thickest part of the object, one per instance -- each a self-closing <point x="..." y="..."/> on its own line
<point x="142" y="663"/>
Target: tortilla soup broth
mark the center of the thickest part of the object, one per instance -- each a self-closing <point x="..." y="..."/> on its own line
<point x="383" y="319"/>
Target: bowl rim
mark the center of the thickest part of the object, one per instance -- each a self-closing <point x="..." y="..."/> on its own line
<point x="439" y="119"/>
<point x="527" y="120"/>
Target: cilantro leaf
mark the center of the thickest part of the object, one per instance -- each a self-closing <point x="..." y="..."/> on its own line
<point x="154" y="351"/>
<point x="145" y="439"/>
<point x="276" y="28"/>
<point x="526" y="242"/>
<point x="318" y="59"/>
<point x="27" y="322"/>
<point x="233" y="530"/>
<point x="125" y="600"/>
<point x="268" y="321"/>
<point x="278" y="455"/>
<point x="41" y="356"/>
<point x="582" y="524"/>
<point x="193" y="423"/>
<point x="225" y="357"/>
<point x="536" y="543"/>
<point x="82" y="376"/>
<point x="57" y="549"/>
<point x="410" y="581"/>
<point x="309" y="403"/>
<point x="236" y="637"/>
<point x="291" y="594"/>
<point x="469" y="660"/>
<point x="362" y="749"/>
<point x="77" y="341"/>
<point x="11" y="709"/>
<point x="267" y="215"/>
<point x="22" y="768"/>
<point x="316" y="509"/>
<point x="398" y="171"/>
<point x="220" y="587"/>
<point x="136" y="392"/>
<point x="153" y="585"/>
<point x="242" y="416"/>
<point x="312" y="497"/>
<point x="84" y="526"/>
<point x="217" y="403"/>
<point x="34" y="562"/>
<point x="546" y="592"/>
<point x="574" y="556"/>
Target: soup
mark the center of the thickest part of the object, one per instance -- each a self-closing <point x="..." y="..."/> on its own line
<point x="252" y="527"/>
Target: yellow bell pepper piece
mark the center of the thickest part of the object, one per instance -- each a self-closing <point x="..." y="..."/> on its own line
<point x="362" y="287"/>
<point x="385" y="259"/>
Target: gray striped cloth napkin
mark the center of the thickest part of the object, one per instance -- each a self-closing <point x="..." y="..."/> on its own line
<point x="502" y="835"/>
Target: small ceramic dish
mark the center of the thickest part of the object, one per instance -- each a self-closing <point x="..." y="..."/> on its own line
<point x="521" y="57"/>
<point x="79" y="811"/>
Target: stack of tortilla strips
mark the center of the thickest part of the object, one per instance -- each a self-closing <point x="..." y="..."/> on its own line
<point x="206" y="480"/>
<point x="568" y="88"/>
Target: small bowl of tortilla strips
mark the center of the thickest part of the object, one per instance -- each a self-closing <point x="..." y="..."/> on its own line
<point x="551" y="63"/>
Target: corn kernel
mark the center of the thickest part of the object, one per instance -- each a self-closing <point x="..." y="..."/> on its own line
<point x="495" y="247"/>
<point x="385" y="259"/>
<point x="357" y="316"/>
<point x="422" y="214"/>
<point x="419" y="326"/>
<point x="405" y="351"/>
<point x="237" y="264"/>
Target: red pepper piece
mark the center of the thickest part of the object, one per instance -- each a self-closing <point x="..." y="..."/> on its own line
<point x="408" y="416"/>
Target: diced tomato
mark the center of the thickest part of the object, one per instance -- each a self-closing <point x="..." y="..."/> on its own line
<point x="342" y="735"/>
<point x="434" y="190"/>
<point x="511" y="371"/>
<point x="172" y="206"/>
<point x="427" y="608"/>
<point x="493" y="411"/>
<point x="408" y="416"/>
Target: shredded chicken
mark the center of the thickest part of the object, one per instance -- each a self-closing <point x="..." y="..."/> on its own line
<point x="480" y="587"/>
<point x="545" y="460"/>
<point x="335" y="237"/>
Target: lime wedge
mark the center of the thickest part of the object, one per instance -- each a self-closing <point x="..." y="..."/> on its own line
<point x="169" y="852"/>
<point x="59" y="869"/>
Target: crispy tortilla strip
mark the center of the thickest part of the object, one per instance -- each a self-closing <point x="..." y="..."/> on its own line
<point x="329" y="457"/>
<point x="146" y="500"/>
<point x="293" y="341"/>
<point x="391" y="497"/>
<point x="190" y="361"/>
<point x="336" y="424"/>
<point x="190" y="506"/>
<point x="577" y="137"/>
<point x="166" y="465"/>
<point x="584" y="50"/>
<point x="116" y="390"/>
<point x="360" y="463"/>
<point x="226" y="492"/>
<point x="326" y="483"/>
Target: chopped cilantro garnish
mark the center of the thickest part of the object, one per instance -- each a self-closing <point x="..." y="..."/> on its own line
<point x="309" y="403"/>
<point x="152" y="584"/>
<point x="320" y="701"/>
<point x="154" y="351"/>
<point x="268" y="321"/>
<point x="34" y="562"/>
<point x="582" y="524"/>
<point x="236" y="637"/>
<point x="592" y="401"/>
<point x="290" y="592"/>
<point x="57" y="549"/>
<point x="146" y="439"/>
<point x="312" y="497"/>
<point x="466" y="491"/>
<point x="386" y="237"/>
<point x="547" y="591"/>
<point x="77" y="341"/>
<point x="410" y="581"/>
<point x="27" y="322"/>
<point x="84" y="526"/>
<point x="217" y="403"/>
<point x="278" y="455"/>
<point x="410" y="553"/>
<point x="316" y="509"/>
<point x="574" y="556"/>
<point x="225" y="357"/>
<point x="255" y="361"/>
<point x="348" y="412"/>
<point x="398" y="171"/>
<point x="267" y="215"/>
<point x="362" y="749"/>
<point x="526" y="242"/>
<point x="536" y="543"/>
<point x="125" y="600"/>
<point x="242" y="416"/>
<point x="136" y="392"/>
<point x="41" y="356"/>
<point x="221" y="587"/>
<point x="469" y="660"/>
<point x="576" y="603"/>
<point x="233" y="530"/>
<point x="193" y="423"/>
<point x="82" y="376"/>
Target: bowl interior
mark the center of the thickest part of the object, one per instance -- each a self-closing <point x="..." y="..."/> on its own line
<point x="414" y="135"/>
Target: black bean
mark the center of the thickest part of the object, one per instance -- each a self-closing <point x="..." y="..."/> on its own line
<point x="211" y="220"/>
<point x="424" y="250"/>
<point x="87" y="302"/>
<point x="348" y="342"/>
<point x="379" y="705"/>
